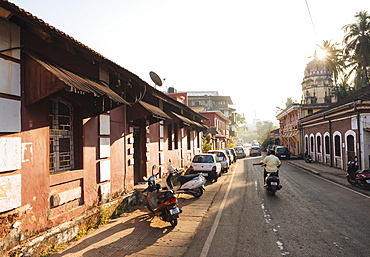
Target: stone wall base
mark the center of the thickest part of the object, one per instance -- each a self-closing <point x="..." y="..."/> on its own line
<point x="64" y="233"/>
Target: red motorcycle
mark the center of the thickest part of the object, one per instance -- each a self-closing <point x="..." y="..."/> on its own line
<point x="357" y="177"/>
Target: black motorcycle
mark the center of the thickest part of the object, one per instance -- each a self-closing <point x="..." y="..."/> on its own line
<point x="308" y="158"/>
<point x="357" y="177"/>
<point x="272" y="181"/>
<point x="162" y="203"/>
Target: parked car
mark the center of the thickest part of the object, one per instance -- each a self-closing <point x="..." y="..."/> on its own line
<point x="255" y="150"/>
<point x="240" y="152"/>
<point x="232" y="150"/>
<point x="224" y="159"/>
<point x="282" y="152"/>
<point x="271" y="147"/>
<point x="207" y="164"/>
<point x="230" y="155"/>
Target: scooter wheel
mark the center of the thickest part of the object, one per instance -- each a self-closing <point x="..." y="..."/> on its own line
<point x="350" y="181"/>
<point x="272" y="193"/>
<point x="197" y="192"/>
<point x="173" y="222"/>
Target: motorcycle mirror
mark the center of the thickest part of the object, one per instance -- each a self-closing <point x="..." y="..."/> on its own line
<point x="153" y="168"/>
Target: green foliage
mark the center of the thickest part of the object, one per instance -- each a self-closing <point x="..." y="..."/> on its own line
<point x="342" y="90"/>
<point x="289" y="101"/>
<point x="242" y="128"/>
<point x="104" y="217"/>
<point x="231" y="145"/>
<point x="240" y="118"/>
<point x="263" y="129"/>
<point x="357" y="48"/>
<point x="266" y="142"/>
<point x="207" y="143"/>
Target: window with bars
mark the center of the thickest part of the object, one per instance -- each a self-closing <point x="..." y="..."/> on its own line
<point x="61" y="136"/>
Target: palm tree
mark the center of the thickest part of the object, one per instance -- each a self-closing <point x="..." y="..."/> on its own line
<point x="357" y="48"/>
<point x="333" y="58"/>
<point x="343" y="88"/>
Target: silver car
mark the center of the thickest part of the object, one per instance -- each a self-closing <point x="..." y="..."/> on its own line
<point x="255" y="150"/>
<point x="240" y="153"/>
<point x="224" y="159"/>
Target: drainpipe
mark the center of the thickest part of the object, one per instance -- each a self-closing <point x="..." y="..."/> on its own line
<point x="330" y="141"/>
<point x="359" y="159"/>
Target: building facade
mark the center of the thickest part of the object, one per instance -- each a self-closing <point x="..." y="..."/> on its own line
<point x="317" y="94"/>
<point x="290" y="135"/>
<point x="218" y="125"/>
<point x="79" y="132"/>
<point x="335" y="135"/>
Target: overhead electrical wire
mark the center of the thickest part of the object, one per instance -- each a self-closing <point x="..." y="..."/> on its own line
<point x="313" y="25"/>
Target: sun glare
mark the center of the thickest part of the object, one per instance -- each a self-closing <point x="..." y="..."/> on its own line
<point x="321" y="53"/>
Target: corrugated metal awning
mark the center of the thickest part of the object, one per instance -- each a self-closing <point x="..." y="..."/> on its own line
<point x="188" y="121"/>
<point x="79" y="84"/>
<point x="154" y="110"/>
<point x="185" y="120"/>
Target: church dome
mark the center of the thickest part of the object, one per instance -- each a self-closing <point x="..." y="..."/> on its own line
<point x="317" y="67"/>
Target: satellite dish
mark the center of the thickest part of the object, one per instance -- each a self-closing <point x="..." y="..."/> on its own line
<point x="156" y="79"/>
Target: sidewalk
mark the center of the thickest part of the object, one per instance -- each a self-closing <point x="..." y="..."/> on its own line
<point x="138" y="234"/>
<point x="333" y="174"/>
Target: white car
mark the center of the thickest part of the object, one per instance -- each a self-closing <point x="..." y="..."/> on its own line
<point x="207" y="164"/>
<point x="223" y="157"/>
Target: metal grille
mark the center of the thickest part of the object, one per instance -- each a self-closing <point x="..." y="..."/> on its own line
<point x="61" y="136"/>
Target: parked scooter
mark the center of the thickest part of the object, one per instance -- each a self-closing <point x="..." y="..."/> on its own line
<point x="272" y="182"/>
<point x="357" y="177"/>
<point x="162" y="203"/>
<point x="308" y="158"/>
<point x="187" y="184"/>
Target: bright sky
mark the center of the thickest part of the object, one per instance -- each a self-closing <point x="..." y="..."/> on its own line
<point x="253" y="51"/>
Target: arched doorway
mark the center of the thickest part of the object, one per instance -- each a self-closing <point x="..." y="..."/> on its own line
<point x="350" y="148"/>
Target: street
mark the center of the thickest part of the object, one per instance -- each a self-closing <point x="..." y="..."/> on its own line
<point x="309" y="216"/>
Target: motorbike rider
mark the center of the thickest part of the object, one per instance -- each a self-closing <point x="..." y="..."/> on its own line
<point x="272" y="164"/>
<point x="352" y="167"/>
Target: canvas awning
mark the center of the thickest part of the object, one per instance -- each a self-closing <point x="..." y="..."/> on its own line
<point x="79" y="84"/>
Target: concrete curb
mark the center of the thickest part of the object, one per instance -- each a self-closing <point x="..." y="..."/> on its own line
<point x="305" y="168"/>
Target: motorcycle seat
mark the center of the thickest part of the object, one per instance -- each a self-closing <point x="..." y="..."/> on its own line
<point x="275" y="174"/>
<point x="186" y="178"/>
<point x="361" y="171"/>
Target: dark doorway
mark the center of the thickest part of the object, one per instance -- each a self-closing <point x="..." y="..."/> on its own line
<point x="350" y="148"/>
<point x="139" y="151"/>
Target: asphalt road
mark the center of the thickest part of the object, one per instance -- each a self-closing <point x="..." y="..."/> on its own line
<point x="309" y="216"/>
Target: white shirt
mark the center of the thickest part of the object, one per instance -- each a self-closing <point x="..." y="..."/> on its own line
<point x="271" y="162"/>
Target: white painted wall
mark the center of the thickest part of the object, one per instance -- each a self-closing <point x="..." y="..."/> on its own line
<point x="10" y="153"/>
<point x="10" y="115"/>
<point x="10" y="192"/>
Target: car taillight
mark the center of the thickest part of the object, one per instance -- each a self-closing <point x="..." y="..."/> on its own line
<point x="191" y="168"/>
<point x="214" y="168"/>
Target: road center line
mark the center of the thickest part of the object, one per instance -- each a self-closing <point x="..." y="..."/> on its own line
<point x="212" y="233"/>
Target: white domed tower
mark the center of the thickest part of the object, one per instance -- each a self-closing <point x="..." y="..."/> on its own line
<point x="317" y="85"/>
